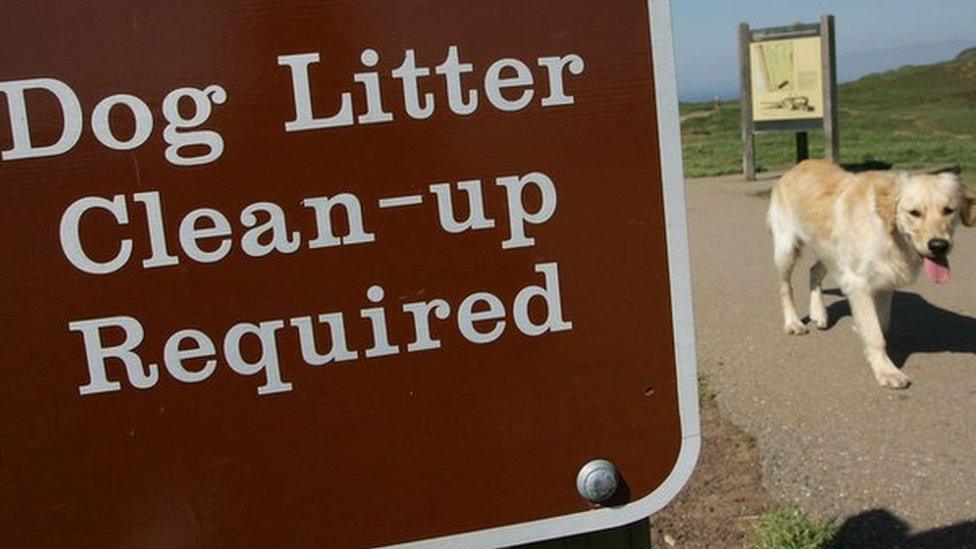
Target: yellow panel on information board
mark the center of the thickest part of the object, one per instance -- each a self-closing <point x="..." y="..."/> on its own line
<point x="787" y="79"/>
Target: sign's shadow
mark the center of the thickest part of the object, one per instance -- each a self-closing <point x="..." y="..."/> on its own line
<point x="917" y="326"/>
<point x="882" y="529"/>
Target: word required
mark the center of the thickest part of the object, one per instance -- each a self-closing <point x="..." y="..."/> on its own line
<point x="190" y="355"/>
<point x="206" y="235"/>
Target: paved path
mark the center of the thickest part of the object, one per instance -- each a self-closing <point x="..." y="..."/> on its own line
<point x="832" y="440"/>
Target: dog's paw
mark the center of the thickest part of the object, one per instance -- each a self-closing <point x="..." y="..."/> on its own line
<point x="893" y="380"/>
<point x="819" y="319"/>
<point x="795" y="328"/>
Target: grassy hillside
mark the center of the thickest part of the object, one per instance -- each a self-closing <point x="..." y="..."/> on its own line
<point x="910" y="117"/>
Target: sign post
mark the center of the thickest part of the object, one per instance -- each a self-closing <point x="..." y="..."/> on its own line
<point x="341" y="274"/>
<point x="788" y="83"/>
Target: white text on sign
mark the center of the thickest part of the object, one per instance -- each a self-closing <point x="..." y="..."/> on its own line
<point x="114" y="349"/>
<point x="508" y="84"/>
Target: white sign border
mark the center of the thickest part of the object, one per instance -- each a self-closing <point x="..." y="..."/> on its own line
<point x="669" y="131"/>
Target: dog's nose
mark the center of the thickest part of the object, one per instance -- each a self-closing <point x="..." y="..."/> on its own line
<point x="939" y="246"/>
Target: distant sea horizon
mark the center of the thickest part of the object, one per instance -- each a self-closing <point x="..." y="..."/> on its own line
<point x="851" y="66"/>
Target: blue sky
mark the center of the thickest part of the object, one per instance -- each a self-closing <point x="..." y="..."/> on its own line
<point x="872" y="35"/>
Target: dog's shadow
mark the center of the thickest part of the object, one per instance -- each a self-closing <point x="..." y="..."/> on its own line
<point x="917" y="326"/>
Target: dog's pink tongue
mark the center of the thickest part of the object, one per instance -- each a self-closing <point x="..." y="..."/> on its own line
<point x="937" y="270"/>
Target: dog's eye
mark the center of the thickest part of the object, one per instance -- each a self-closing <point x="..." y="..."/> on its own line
<point x="915" y="213"/>
<point x="948" y="211"/>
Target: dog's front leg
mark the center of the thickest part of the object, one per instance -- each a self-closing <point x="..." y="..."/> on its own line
<point x="869" y="327"/>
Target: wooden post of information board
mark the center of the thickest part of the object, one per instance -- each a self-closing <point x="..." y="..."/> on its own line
<point x="829" y="57"/>
<point x="745" y="95"/>
<point x="802" y="146"/>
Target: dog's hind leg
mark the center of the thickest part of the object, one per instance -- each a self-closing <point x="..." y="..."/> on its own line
<point x="818" y="312"/>
<point x="786" y="250"/>
<point x="882" y="303"/>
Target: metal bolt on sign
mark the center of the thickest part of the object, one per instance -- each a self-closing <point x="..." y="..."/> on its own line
<point x="597" y="481"/>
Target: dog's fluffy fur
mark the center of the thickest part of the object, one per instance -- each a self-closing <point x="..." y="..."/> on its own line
<point x="871" y="231"/>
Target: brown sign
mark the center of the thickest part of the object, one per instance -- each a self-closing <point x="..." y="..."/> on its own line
<point x="339" y="273"/>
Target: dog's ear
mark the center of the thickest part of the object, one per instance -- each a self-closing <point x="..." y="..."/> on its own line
<point x="967" y="199"/>
<point x="967" y="210"/>
<point x="886" y="196"/>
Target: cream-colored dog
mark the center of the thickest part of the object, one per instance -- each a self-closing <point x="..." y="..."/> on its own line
<point x="873" y="232"/>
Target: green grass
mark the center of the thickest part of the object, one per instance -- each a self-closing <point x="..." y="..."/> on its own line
<point x="790" y="528"/>
<point x="706" y="393"/>
<point x="910" y="117"/>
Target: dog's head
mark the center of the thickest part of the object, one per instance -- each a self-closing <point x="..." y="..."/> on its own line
<point x="929" y="208"/>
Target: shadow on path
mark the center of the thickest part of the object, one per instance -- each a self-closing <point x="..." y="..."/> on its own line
<point x="917" y="326"/>
<point x="879" y="528"/>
